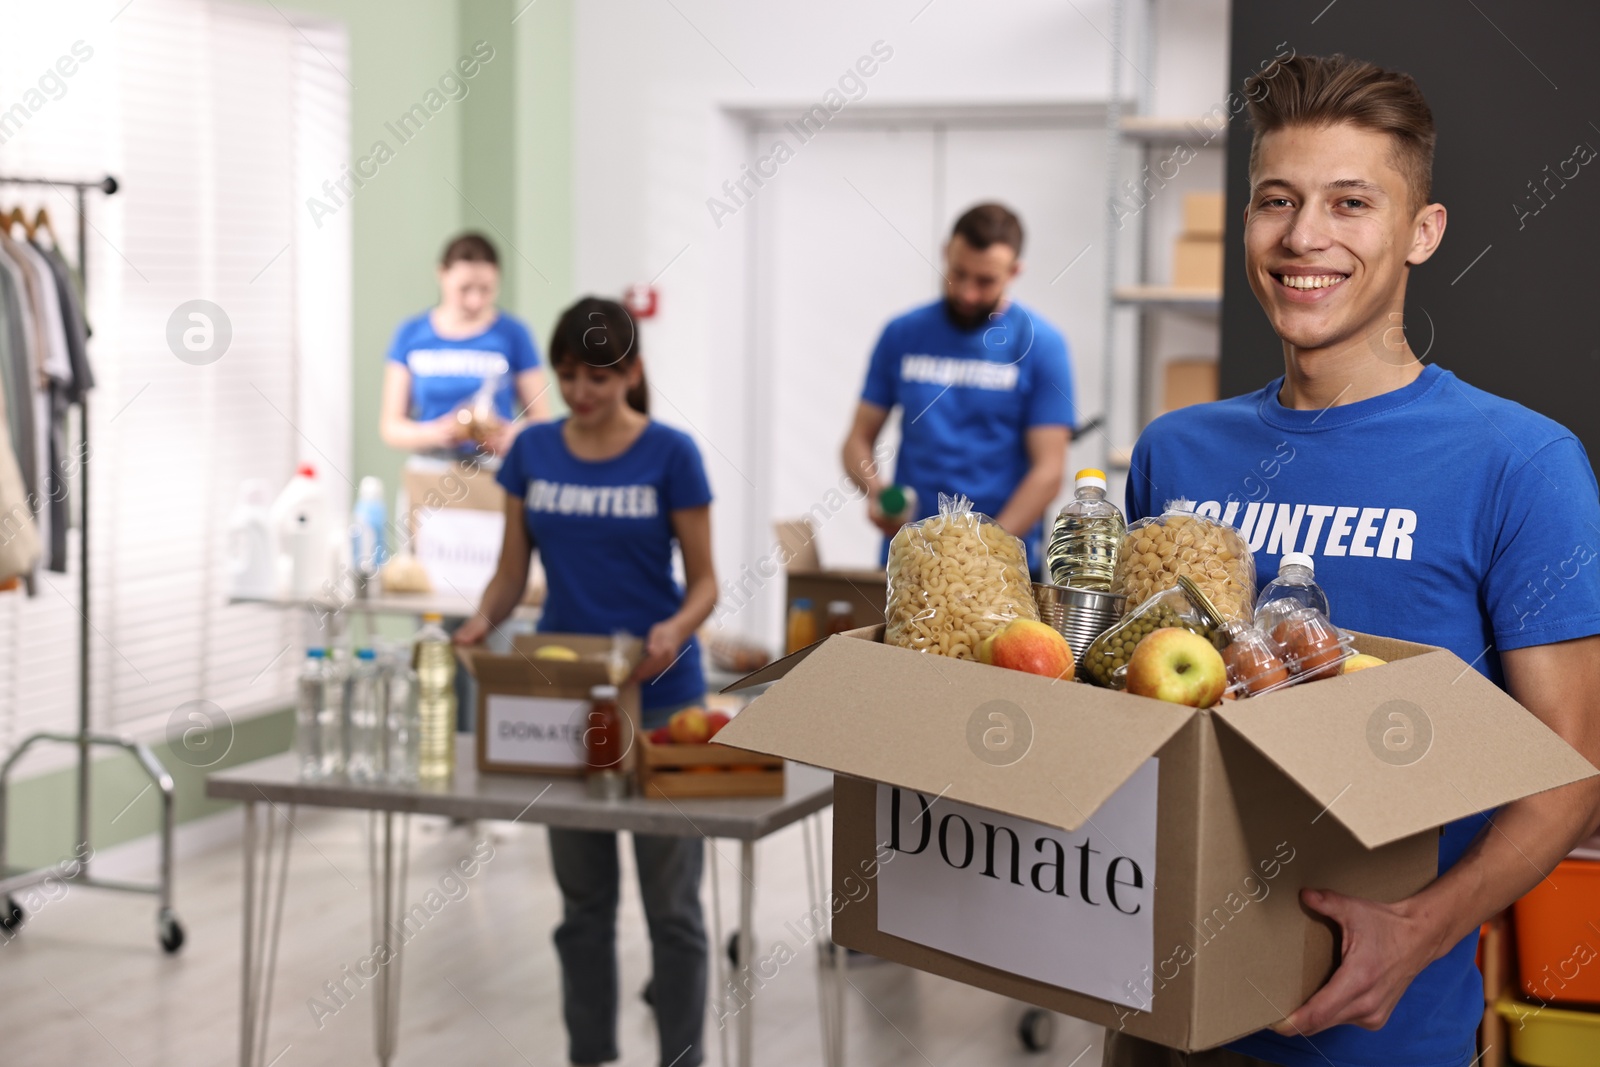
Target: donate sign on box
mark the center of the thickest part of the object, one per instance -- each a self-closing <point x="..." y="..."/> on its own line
<point x="1070" y="909"/>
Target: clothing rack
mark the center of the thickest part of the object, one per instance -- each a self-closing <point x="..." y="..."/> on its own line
<point x="169" y="930"/>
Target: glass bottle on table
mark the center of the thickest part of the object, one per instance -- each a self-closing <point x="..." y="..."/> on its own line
<point x="802" y="625"/>
<point x="436" y="700"/>
<point x="841" y="617"/>
<point x="604" y="741"/>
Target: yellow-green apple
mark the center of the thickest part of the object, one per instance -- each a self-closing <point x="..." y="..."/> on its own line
<point x="1360" y="662"/>
<point x="1178" y="666"/>
<point x="1026" y="645"/>
<point x="689" y="727"/>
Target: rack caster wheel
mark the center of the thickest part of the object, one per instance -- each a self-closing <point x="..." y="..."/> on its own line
<point x="10" y="916"/>
<point x="1037" y="1030"/>
<point x="170" y="931"/>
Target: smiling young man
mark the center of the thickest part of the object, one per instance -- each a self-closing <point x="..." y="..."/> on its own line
<point x="1435" y="512"/>
<point x="984" y="387"/>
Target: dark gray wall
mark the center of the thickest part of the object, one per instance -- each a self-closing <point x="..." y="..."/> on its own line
<point x="1509" y="97"/>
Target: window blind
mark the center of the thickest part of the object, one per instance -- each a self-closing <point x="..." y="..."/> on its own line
<point x="211" y="116"/>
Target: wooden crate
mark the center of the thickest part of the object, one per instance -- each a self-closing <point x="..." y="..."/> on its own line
<point x="668" y="771"/>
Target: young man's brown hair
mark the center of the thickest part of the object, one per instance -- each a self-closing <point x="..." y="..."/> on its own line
<point x="989" y="224"/>
<point x="1325" y="90"/>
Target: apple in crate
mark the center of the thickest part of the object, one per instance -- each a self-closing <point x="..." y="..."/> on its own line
<point x="691" y="726"/>
<point x="1026" y="645"/>
<point x="715" y="720"/>
<point x="660" y="736"/>
<point x="1178" y="666"/>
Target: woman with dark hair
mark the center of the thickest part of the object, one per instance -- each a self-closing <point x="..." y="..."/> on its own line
<point x="441" y="359"/>
<point x="605" y="494"/>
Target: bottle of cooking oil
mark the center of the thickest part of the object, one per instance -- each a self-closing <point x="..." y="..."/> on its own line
<point x="436" y="700"/>
<point x="1086" y="537"/>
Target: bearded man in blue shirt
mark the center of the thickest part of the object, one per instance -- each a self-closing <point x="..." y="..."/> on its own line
<point x="1435" y="512"/>
<point x="984" y="388"/>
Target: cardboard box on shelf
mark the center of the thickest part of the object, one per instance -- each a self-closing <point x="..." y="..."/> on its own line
<point x="532" y="711"/>
<point x="457" y="524"/>
<point x="1197" y="263"/>
<point x="1188" y="380"/>
<point x="1203" y="214"/>
<point x="864" y="589"/>
<point x="1129" y="862"/>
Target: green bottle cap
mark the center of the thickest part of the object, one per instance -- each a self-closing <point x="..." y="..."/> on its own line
<point x="892" y="500"/>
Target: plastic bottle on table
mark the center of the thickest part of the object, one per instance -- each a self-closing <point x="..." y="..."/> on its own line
<point x="402" y="727"/>
<point x="300" y="523"/>
<point x="315" y="705"/>
<point x="363" y="732"/>
<point x="1087" y="536"/>
<point x="368" y="519"/>
<point x="802" y="625"/>
<point x="436" y="700"/>
<point x="1295" y="587"/>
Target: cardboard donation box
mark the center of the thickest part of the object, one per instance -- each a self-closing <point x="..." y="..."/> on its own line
<point x="457" y="524"/>
<point x="532" y="711"/>
<point x="864" y="589"/>
<point x="1135" y="863"/>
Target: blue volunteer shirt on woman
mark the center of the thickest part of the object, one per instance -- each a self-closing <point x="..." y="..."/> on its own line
<point x="446" y="371"/>
<point x="604" y="530"/>
<point x="1436" y="513"/>
<point x="967" y="399"/>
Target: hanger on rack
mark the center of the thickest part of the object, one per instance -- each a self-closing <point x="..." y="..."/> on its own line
<point x="41" y="221"/>
<point x="16" y="215"/>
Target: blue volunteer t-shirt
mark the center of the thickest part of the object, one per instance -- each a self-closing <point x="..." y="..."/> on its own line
<point x="967" y="399"/>
<point x="446" y="372"/>
<point x="604" y="530"/>
<point x="1435" y="513"/>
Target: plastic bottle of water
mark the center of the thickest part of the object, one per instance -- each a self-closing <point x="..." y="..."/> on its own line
<point x="362" y="722"/>
<point x="436" y="699"/>
<point x="1087" y="536"/>
<point x="368" y="520"/>
<point x="1294" y="587"/>
<point x="402" y="740"/>
<point x="311" y="711"/>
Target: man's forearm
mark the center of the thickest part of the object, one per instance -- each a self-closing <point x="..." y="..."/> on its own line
<point x="1028" y="504"/>
<point x="1525" y="841"/>
<point x="860" y="466"/>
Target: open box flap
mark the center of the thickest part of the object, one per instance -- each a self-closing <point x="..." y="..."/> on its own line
<point x="955" y="728"/>
<point x="1402" y="748"/>
<point x="778" y="668"/>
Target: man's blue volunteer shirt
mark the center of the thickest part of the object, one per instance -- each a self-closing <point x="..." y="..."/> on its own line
<point x="967" y="399"/>
<point x="1435" y="513"/>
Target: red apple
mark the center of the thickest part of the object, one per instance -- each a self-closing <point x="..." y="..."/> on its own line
<point x="715" y="720"/>
<point x="1178" y="666"/>
<point x="660" y="736"/>
<point x="1026" y="645"/>
<point x="689" y="727"/>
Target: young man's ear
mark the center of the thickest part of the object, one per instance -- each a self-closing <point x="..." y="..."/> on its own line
<point x="1427" y="232"/>
<point x="1016" y="269"/>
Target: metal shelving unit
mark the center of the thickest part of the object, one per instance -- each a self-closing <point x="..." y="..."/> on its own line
<point x="1131" y="123"/>
<point x="169" y="931"/>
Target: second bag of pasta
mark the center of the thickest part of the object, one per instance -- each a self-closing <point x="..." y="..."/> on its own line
<point x="955" y="578"/>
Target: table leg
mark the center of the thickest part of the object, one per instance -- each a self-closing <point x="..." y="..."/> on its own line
<point x="387" y="891"/>
<point x="262" y="922"/>
<point x="747" y="868"/>
<point x="811" y="840"/>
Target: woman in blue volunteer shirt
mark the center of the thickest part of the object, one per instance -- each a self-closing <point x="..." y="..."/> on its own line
<point x="606" y="494"/>
<point x="441" y="358"/>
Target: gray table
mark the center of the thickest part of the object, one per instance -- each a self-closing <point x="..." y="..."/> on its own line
<point x="553" y="800"/>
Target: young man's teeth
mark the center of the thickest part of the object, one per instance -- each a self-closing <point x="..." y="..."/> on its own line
<point x="1310" y="281"/>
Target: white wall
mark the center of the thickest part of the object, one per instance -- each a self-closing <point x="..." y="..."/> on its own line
<point x="653" y="139"/>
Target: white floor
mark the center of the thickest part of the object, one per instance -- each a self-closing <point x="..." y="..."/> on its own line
<point x="84" y="983"/>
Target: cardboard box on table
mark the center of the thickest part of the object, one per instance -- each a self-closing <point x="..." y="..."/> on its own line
<point x="864" y="589"/>
<point x="1153" y="883"/>
<point x="532" y="712"/>
<point x="457" y="524"/>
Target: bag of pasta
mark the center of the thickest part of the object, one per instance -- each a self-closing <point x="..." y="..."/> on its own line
<point x="955" y="578"/>
<point x="1156" y="550"/>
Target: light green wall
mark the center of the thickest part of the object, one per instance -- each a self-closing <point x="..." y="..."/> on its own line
<point x="507" y="147"/>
